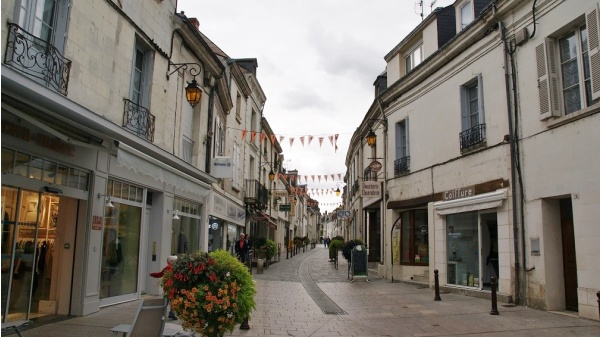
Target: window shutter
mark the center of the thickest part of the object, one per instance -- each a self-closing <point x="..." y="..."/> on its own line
<point x="547" y="79"/>
<point x="464" y="108"/>
<point x="480" y="99"/>
<point x="407" y="137"/>
<point x="593" y="40"/>
<point x="398" y="140"/>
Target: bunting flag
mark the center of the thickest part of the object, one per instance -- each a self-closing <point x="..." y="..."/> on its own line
<point x="325" y="178"/>
<point x="281" y="138"/>
<point x="333" y="177"/>
<point x="319" y="176"/>
<point x="331" y="140"/>
<point x="339" y="176"/>
<point x="321" y="141"/>
<point x="302" y="140"/>
<point x="252" y="136"/>
<point x="313" y="178"/>
<point x="244" y="133"/>
<point x="262" y="137"/>
<point x="291" y="141"/>
<point x="310" y="138"/>
<point x="272" y="138"/>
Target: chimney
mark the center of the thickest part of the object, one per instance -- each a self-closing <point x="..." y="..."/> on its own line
<point x="195" y="22"/>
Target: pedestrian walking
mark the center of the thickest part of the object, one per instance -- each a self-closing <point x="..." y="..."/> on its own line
<point x="241" y="248"/>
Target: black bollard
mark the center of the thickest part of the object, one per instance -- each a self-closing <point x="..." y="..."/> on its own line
<point x="437" y="286"/>
<point x="245" y="325"/>
<point x="494" y="300"/>
<point x="598" y="295"/>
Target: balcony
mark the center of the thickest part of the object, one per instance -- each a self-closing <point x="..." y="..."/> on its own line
<point x="368" y="174"/>
<point x="401" y="166"/>
<point x="472" y="138"/>
<point x="138" y="120"/>
<point x="37" y="59"/>
<point x="256" y="194"/>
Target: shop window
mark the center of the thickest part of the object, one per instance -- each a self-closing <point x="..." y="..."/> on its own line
<point x="185" y="237"/>
<point x="462" y="247"/>
<point x="414" y="239"/>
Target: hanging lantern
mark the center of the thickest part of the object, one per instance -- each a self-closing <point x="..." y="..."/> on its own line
<point x="193" y="93"/>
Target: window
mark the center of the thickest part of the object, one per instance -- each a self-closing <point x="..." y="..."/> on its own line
<point x="236" y="166"/>
<point x="414" y="237"/>
<point x="238" y="106"/>
<point x="568" y="69"/>
<point x="472" y="116"/>
<point x="141" y="77"/>
<point x="401" y="164"/>
<point x="413" y="58"/>
<point x="466" y="14"/>
<point x="219" y="137"/>
<point x="187" y="147"/>
<point x="45" y="19"/>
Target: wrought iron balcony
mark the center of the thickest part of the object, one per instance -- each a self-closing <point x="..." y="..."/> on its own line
<point x="37" y="59"/>
<point x="472" y="138"/>
<point x="138" y="120"/>
<point x="401" y="166"/>
<point x="256" y="194"/>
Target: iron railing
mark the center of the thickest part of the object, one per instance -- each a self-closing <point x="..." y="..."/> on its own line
<point x="37" y="58"/>
<point x="138" y="120"/>
<point x="472" y="138"/>
<point x="256" y="194"/>
<point x="368" y="174"/>
<point x="401" y="166"/>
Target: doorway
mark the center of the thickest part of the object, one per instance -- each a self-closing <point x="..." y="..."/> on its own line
<point x="32" y="225"/>
<point x="569" y="256"/>
<point x="374" y="236"/>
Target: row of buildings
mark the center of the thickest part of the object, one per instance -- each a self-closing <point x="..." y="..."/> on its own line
<point x="478" y="157"/>
<point x="128" y="136"/>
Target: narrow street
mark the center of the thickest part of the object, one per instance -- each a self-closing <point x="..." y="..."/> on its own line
<point x="306" y="296"/>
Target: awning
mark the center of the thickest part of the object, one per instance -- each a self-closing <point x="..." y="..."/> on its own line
<point x="139" y="162"/>
<point x="474" y="203"/>
<point x="263" y="217"/>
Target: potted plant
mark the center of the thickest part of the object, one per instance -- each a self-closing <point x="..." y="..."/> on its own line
<point x="209" y="293"/>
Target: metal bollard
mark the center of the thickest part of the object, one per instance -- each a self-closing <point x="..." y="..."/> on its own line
<point x="437" y="286"/>
<point x="494" y="300"/>
<point x="598" y="295"/>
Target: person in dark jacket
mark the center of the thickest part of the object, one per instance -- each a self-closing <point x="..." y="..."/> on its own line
<point x="242" y="248"/>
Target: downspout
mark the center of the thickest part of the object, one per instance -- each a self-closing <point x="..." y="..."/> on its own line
<point x="512" y="141"/>
<point x="209" y="132"/>
<point x="384" y="189"/>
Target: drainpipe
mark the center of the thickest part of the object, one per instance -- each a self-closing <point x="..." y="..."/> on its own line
<point x="209" y="131"/>
<point x="512" y="141"/>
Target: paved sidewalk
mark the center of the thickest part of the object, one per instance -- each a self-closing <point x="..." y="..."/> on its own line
<point x="293" y="295"/>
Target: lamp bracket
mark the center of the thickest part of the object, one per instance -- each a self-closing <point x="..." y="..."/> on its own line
<point x="194" y="68"/>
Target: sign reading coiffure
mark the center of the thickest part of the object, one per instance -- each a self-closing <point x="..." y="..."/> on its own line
<point x="371" y="189"/>
<point x="222" y="167"/>
<point x="459" y="193"/>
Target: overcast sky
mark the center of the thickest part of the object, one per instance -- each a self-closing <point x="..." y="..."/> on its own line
<point x="317" y="61"/>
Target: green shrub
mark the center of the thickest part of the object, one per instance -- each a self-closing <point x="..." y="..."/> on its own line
<point x="348" y="246"/>
<point x="334" y="247"/>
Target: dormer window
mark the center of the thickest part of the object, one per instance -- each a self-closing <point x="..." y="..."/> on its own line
<point x="466" y="13"/>
<point x="413" y="58"/>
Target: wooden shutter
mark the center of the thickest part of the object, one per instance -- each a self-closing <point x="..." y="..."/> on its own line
<point x="464" y="108"/>
<point x="547" y="74"/>
<point x="407" y="137"/>
<point x="591" y="18"/>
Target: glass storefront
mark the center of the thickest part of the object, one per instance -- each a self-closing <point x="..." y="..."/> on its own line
<point x="185" y="231"/>
<point x="414" y="242"/>
<point x="468" y="234"/>
<point x="121" y="240"/>
<point x="29" y="225"/>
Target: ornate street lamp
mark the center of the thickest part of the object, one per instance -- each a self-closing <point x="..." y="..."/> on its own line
<point x="271" y="175"/>
<point x="371" y="138"/>
<point x="193" y="92"/>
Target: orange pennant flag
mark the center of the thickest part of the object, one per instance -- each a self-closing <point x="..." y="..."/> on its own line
<point x="273" y="139"/>
<point x="244" y="133"/>
<point x="262" y="137"/>
<point x="252" y="136"/>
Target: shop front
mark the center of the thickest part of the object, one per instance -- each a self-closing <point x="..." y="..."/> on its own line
<point x="470" y="228"/>
<point x="226" y="222"/>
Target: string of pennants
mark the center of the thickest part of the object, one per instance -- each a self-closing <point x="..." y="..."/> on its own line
<point x="319" y="177"/>
<point x="303" y="139"/>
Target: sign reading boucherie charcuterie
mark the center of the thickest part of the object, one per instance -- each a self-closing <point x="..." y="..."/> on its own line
<point x="371" y="189"/>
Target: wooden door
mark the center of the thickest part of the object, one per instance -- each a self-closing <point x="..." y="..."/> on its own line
<point x="569" y="257"/>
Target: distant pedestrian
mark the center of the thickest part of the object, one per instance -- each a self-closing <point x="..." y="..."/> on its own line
<point x="241" y="248"/>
